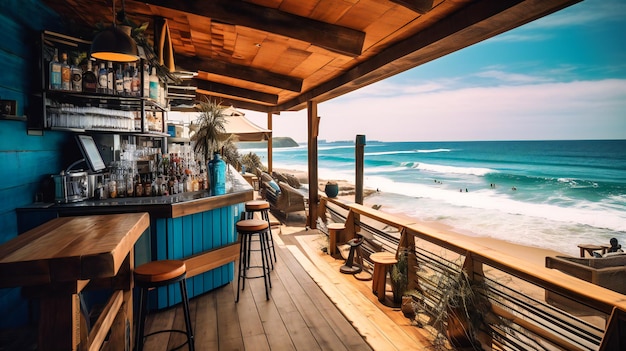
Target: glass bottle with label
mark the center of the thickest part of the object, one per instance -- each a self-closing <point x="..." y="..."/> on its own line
<point x="90" y="81"/>
<point x="154" y="85"/>
<point x="66" y="73"/>
<point x="135" y="83"/>
<point x="77" y="76"/>
<point x="119" y="80"/>
<point x="55" y="72"/>
<point x="102" y="79"/>
<point x="110" y="78"/>
<point x="127" y="71"/>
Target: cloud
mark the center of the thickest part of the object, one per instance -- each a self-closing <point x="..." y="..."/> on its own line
<point x="503" y="76"/>
<point x="574" y="110"/>
<point x="586" y="13"/>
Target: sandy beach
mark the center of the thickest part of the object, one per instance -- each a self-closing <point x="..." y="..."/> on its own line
<point x="534" y="255"/>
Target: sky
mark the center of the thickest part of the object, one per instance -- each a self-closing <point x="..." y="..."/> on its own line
<point x="560" y="77"/>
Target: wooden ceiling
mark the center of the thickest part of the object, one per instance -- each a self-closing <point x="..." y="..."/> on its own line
<point x="275" y="55"/>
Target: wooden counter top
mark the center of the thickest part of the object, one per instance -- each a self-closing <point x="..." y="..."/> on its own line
<point x="68" y="249"/>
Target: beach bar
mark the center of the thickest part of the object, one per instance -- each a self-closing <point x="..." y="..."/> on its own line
<point x="96" y="182"/>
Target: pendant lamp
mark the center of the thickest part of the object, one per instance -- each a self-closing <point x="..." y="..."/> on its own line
<point x="114" y="44"/>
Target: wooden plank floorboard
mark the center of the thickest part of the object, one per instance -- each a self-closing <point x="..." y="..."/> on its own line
<point x="205" y="332"/>
<point x="229" y="330"/>
<point x="298" y="316"/>
<point x="316" y="308"/>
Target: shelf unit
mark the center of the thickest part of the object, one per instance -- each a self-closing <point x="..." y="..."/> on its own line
<point x="78" y="111"/>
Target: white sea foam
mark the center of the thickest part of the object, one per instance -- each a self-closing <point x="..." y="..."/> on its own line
<point x="478" y="171"/>
<point x="432" y="151"/>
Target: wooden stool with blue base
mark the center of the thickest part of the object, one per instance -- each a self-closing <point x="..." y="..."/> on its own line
<point x="153" y="275"/>
<point x="248" y="228"/>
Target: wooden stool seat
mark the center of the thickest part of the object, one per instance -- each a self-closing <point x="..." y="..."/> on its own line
<point x="257" y="205"/>
<point x="159" y="271"/>
<point x="263" y="207"/>
<point x="382" y="262"/>
<point x="251" y="225"/>
<point x="333" y="228"/>
<point x="155" y="274"/>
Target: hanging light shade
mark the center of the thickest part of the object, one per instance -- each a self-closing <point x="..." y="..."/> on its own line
<point x="113" y="44"/>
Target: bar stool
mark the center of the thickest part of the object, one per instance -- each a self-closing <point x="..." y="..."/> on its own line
<point x="155" y="274"/>
<point x="382" y="262"/>
<point x="247" y="228"/>
<point x="263" y="207"/>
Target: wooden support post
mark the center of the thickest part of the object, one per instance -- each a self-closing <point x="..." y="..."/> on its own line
<point x="269" y="145"/>
<point x="313" y="125"/>
<point x="351" y="228"/>
<point x="615" y="334"/>
<point x="359" y="151"/>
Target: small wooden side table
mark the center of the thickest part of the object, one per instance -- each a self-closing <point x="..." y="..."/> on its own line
<point x="382" y="262"/>
<point x="590" y="248"/>
<point x="333" y="228"/>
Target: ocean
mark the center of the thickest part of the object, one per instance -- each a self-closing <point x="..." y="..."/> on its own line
<point x="548" y="194"/>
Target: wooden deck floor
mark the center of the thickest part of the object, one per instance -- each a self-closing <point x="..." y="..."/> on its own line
<point x="312" y="306"/>
<point x="298" y="316"/>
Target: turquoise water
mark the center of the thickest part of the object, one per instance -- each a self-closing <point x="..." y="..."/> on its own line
<point x="550" y="194"/>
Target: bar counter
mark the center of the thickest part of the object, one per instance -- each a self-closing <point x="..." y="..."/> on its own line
<point x="57" y="260"/>
<point x="196" y="227"/>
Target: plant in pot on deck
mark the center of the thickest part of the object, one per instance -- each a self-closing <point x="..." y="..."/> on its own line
<point x="463" y="312"/>
<point x="399" y="278"/>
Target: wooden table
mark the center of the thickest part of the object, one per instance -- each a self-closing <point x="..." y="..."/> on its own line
<point x="590" y="248"/>
<point x="55" y="261"/>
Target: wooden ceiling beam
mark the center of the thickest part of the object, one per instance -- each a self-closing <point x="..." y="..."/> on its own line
<point x="226" y="101"/>
<point x="239" y="72"/>
<point x="343" y="40"/>
<point x="419" y="6"/>
<point x="229" y="90"/>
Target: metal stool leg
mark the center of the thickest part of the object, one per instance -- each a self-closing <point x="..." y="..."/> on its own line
<point x="143" y="310"/>
<point x="265" y="266"/>
<point x="265" y="215"/>
<point x="185" y="298"/>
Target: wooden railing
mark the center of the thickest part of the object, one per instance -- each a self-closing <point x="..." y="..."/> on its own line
<point x="536" y="307"/>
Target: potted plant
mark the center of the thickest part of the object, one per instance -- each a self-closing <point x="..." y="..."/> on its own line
<point x="399" y="278"/>
<point x="462" y="311"/>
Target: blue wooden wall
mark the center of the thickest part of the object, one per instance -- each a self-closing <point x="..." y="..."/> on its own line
<point x="24" y="159"/>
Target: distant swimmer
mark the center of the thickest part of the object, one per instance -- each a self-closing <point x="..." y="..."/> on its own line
<point x="513" y="188"/>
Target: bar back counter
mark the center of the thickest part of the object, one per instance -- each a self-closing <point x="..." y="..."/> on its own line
<point x="195" y="227"/>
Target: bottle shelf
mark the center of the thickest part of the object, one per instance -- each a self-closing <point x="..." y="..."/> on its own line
<point x="80" y="111"/>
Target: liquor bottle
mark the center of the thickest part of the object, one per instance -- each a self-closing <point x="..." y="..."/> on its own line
<point x="135" y="79"/>
<point x="77" y="76"/>
<point x="154" y="85"/>
<point x="55" y="72"/>
<point x="127" y="71"/>
<point x="66" y="73"/>
<point x="102" y="79"/>
<point x="119" y="80"/>
<point x="90" y="81"/>
<point x="110" y="78"/>
<point x="146" y="80"/>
